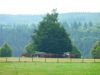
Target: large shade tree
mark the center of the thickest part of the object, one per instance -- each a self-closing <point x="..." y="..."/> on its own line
<point x="96" y="50"/>
<point x="50" y="36"/>
<point x="5" y="50"/>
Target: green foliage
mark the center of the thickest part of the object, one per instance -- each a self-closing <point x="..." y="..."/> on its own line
<point x="76" y="52"/>
<point x="50" y="36"/>
<point x="5" y="51"/>
<point x="84" y="31"/>
<point x="96" y="50"/>
<point x="29" y="48"/>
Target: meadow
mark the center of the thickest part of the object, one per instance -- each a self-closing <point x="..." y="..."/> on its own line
<point x="49" y="66"/>
<point x="41" y="68"/>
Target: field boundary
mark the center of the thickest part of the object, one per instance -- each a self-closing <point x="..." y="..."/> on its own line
<point x="26" y="59"/>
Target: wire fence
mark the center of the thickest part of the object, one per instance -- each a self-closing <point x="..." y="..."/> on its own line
<point x="34" y="59"/>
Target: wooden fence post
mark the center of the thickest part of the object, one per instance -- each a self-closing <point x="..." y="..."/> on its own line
<point x="70" y="59"/>
<point x="45" y="59"/>
<point x="57" y="60"/>
<point x="32" y="59"/>
<point x="6" y="59"/>
<point x="82" y="60"/>
<point x="94" y="59"/>
<point x="19" y="59"/>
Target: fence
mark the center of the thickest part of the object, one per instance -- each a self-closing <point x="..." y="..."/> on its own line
<point x="25" y="59"/>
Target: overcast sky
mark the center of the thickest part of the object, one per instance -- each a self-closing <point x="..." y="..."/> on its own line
<point x="44" y="6"/>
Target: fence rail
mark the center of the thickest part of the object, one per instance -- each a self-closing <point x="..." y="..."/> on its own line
<point x="25" y="59"/>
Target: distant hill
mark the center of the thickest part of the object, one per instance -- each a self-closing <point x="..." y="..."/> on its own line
<point x="84" y="29"/>
<point x="34" y="19"/>
<point x="19" y="19"/>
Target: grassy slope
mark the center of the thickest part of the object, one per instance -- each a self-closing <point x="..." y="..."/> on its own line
<point x="49" y="68"/>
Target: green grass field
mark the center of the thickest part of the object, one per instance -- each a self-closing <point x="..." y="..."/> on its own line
<point x="41" y="68"/>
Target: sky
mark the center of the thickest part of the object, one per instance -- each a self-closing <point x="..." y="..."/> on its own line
<point x="45" y="6"/>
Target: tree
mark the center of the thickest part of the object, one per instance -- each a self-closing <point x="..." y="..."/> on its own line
<point x="76" y="52"/>
<point x="96" y="50"/>
<point x="5" y="50"/>
<point x="50" y="36"/>
<point x="29" y="48"/>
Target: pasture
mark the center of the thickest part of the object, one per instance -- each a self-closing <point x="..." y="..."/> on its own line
<point x="49" y="66"/>
<point x="41" y="68"/>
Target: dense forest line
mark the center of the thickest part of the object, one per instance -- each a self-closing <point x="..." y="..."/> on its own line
<point x="83" y="30"/>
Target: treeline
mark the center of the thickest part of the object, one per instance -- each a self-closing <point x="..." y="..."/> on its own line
<point x="16" y="35"/>
<point x="6" y="50"/>
<point x="82" y="35"/>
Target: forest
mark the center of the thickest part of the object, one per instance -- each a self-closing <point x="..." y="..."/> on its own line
<point x="83" y="29"/>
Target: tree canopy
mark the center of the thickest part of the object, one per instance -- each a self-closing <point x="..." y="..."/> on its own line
<point x="29" y="48"/>
<point x="96" y="50"/>
<point x="5" y="50"/>
<point x="76" y="51"/>
<point x="50" y="36"/>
